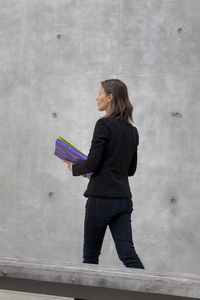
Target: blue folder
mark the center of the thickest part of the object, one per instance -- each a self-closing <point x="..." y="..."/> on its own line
<point x="65" y="150"/>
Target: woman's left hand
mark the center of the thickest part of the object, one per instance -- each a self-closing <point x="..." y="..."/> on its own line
<point x="69" y="163"/>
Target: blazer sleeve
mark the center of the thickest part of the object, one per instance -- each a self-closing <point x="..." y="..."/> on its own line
<point x="99" y="139"/>
<point x="133" y="164"/>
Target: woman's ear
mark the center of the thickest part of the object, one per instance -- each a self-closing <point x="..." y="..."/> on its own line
<point x="110" y="97"/>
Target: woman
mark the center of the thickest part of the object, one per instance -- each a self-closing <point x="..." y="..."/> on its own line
<point x="111" y="159"/>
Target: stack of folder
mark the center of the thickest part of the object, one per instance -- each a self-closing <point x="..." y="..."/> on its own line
<point x="65" y="150"/>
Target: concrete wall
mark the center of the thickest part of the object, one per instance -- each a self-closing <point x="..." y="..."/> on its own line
<point x="53" y="55"/>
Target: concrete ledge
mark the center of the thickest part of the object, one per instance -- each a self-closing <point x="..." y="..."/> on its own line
<point x="94" y="282"/>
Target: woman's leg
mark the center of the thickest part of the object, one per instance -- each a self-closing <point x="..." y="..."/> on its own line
<point x="120" y="227"/>
<point x="94" y="231"/>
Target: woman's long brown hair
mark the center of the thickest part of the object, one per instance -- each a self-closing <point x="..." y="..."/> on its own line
<point x="121" y="107"/>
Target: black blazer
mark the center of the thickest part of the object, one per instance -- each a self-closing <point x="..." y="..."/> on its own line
<point x="112" y="158"/>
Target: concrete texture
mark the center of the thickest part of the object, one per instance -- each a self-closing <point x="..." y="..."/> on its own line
<point x="95" y="283"/>
<point x="9" y="295"/>
<point x="53" y="56"/>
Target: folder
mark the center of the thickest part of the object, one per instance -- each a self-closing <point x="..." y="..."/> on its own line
<point x="65" y="150"/>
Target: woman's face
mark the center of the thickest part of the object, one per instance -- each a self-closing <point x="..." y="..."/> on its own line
<point x="103" y="100"/>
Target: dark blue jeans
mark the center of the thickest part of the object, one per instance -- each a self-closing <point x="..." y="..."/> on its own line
<point x="115" y="213"/>
<point x="101" y="212"/>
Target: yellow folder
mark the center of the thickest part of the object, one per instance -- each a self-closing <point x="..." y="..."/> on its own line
<point x="66" y="142"/>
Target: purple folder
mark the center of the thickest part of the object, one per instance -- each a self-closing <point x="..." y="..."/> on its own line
<point x="64" y="151"/>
